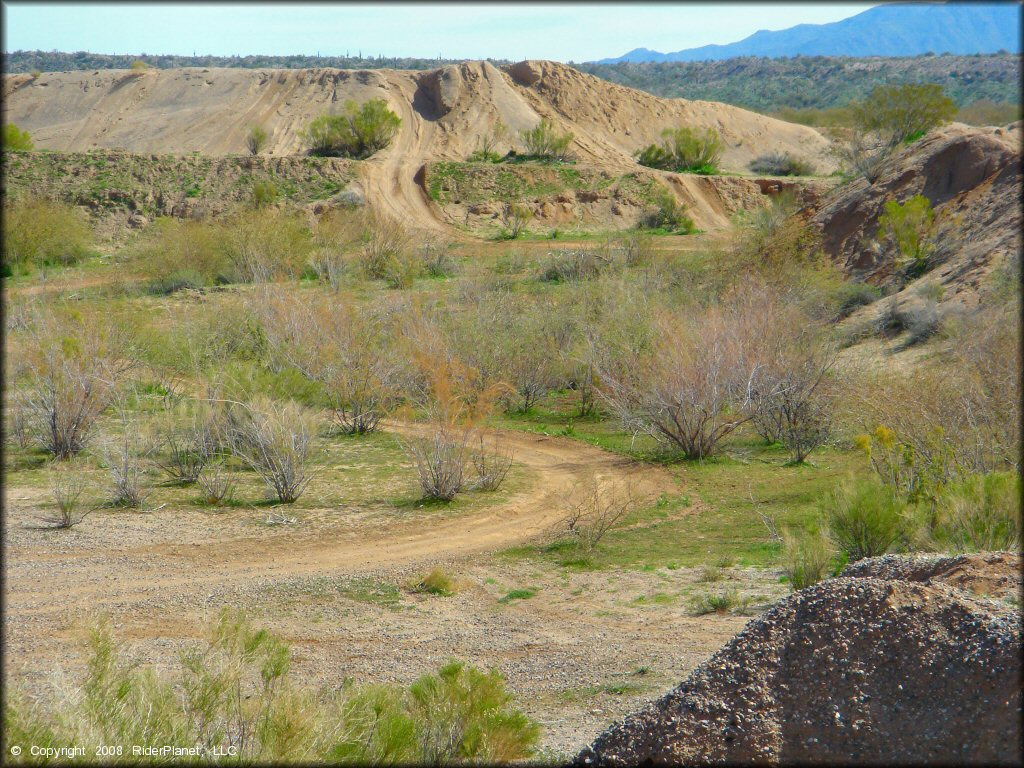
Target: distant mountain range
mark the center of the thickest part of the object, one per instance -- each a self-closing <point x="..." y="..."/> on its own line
<point x="895" y="29"/>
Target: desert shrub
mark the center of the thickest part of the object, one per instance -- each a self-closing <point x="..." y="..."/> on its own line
<point x="437" y="582"/>
<point x="592" y="510"/>
<point x="492" y="464"/>
<point x="791" y="391"/>
<point x="487" y="144"/>
<point x="386" y="253"/>
<point x="905" y="111"/>
<point x="260" y="246"/>
<point x="907" y="231"/>
<point x="544" y="141"/>
<point x="337" y="237"/>
<point x="865" y="518"/>
<point x="70" y="378"/>
<point x="981" y="513"/>
<point x="436" y="258"/>
<point x="215" y="483"/>
<point x="514" y="218"/>
<point x="123" y="455"/>
<point x="567" y="264"/>
<point x="360" y="131"/>
<point x="276" y="440"/>
<point x="343" y="349"/>
<point x="235" y="693"/>
<point x="865" y="153"/>
<point x="853" y="295"/>
<point x="187" y="444"/>
<point x="440" y="462"/>
<point x="806" y="558"/>
<point x="16" y="140"/>
<point x="179" y="280"/>
<point x="264" y="193"/>
<point x="781" y="164"/>
<point x="171" y="249"/>
<point x="665" y="212"/>
<point x="684" y="149"/>
<point x="988" y="112"/>
<point x="722" y="602"/>
<point x="42" y="233"/>
<point x="920" y="321"/>
<point x="685" y="390"/>
<point x="256" y="139"/>
<point x="67" y="485"/>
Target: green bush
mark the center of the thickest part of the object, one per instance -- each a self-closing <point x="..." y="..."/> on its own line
<point x="982" y="513"/>
<point x="38" y="232"/>
<point x="851" y="296"/>
<point x="437" y="582"/>
<point x="908" y="231"/>
<point x="865" y="518"/>
<point x="264" y="193"/>
<point x="543" y="141"/>
<point x="179" y="280"/>
<point x="237" y="691"/>
<point x="781" y="164"/>
<point x="684" y="150"/>
<point x="805" y="558"/>
<point x="666" y="213"/>
<point x="16" y="140"/>
<point x="360" y="131"/>
<point x="904" y="112"/>
<point x="256" y="140"/>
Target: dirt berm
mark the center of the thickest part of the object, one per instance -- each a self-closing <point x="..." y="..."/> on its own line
<point x="858" y="669"/>
<point x="971" y="176"/>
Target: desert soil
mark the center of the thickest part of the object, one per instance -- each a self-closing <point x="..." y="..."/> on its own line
<point x="578" y="654"/>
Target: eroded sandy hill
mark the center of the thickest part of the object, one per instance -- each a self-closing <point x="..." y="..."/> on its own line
<point x="444" y="113"/>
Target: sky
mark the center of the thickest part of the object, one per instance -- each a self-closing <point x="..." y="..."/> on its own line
<point x="514" y="31"/>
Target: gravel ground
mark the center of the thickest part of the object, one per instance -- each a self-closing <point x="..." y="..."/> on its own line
<point x="852" y="670"/>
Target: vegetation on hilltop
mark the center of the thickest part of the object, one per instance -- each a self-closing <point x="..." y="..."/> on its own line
<point x="817" y="82"/>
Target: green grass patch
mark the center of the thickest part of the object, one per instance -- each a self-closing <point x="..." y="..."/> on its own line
<point x="518" y="594"/>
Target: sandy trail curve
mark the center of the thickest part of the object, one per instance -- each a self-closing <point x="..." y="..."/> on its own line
<point x="159" y="567"/>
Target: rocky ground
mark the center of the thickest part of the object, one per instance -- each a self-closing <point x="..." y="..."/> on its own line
<point x="889" y="663"/>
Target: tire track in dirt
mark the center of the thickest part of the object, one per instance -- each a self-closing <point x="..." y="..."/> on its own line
<point x="557" y="465"/>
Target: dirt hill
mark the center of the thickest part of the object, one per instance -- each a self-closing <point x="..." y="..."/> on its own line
<point x="444" y="114"/>
<point x="871" y="667"/>
<point x="972" y="176"/>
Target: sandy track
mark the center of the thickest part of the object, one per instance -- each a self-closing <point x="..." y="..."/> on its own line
<point x="36" y="572"/>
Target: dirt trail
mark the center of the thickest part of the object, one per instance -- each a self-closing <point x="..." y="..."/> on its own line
<point x="165" y="568"/>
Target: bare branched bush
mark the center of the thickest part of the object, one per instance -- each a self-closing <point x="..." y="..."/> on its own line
<point x="123" y="455"/>
<point x="70" y="379"/>
<point x="387" y="253"/>
<point x="436" y="258"/>
<point x="593" y="509"/>
<point x="276" y="440"/>
<point x="688" y="391"/>
<point x="492" y="464"/>
<point x="348" y="352"/>
<point x="514" y="218"/>
<point x="216" y="484"/>
<point x="186" y="450"/>
<point x="867" y="153"/>
<point x="67" y="486"/>
<point x="260" y="246"/>
<point x="440" y="462"/>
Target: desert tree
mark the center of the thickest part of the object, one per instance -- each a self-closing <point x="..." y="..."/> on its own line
<point x="256" y="139"/>
<point x="545" y="141"/>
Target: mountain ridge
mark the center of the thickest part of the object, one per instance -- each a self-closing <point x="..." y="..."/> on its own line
<point x="896" y="29"/>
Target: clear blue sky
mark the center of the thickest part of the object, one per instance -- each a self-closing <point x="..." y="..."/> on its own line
<point x="562" y="32"/>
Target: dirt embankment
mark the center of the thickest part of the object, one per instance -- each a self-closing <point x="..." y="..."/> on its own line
<point x="971" y="176"/>
<point x="880" y="668"/>
<point x="444" y="113"/>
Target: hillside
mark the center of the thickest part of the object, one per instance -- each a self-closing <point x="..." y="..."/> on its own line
<point x="817" y="82"/>
<point x="895" y="29"/>
<point x="444" y="112"/>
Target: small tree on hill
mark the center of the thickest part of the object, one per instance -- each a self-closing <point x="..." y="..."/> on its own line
<point x="904" y="112"/>
<point x="360" y="131"/>
<point x="544" y="141"/>
<point x="16" y="140"/>
<point x="909" y="231"/>
<point x="256" y="140"/>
